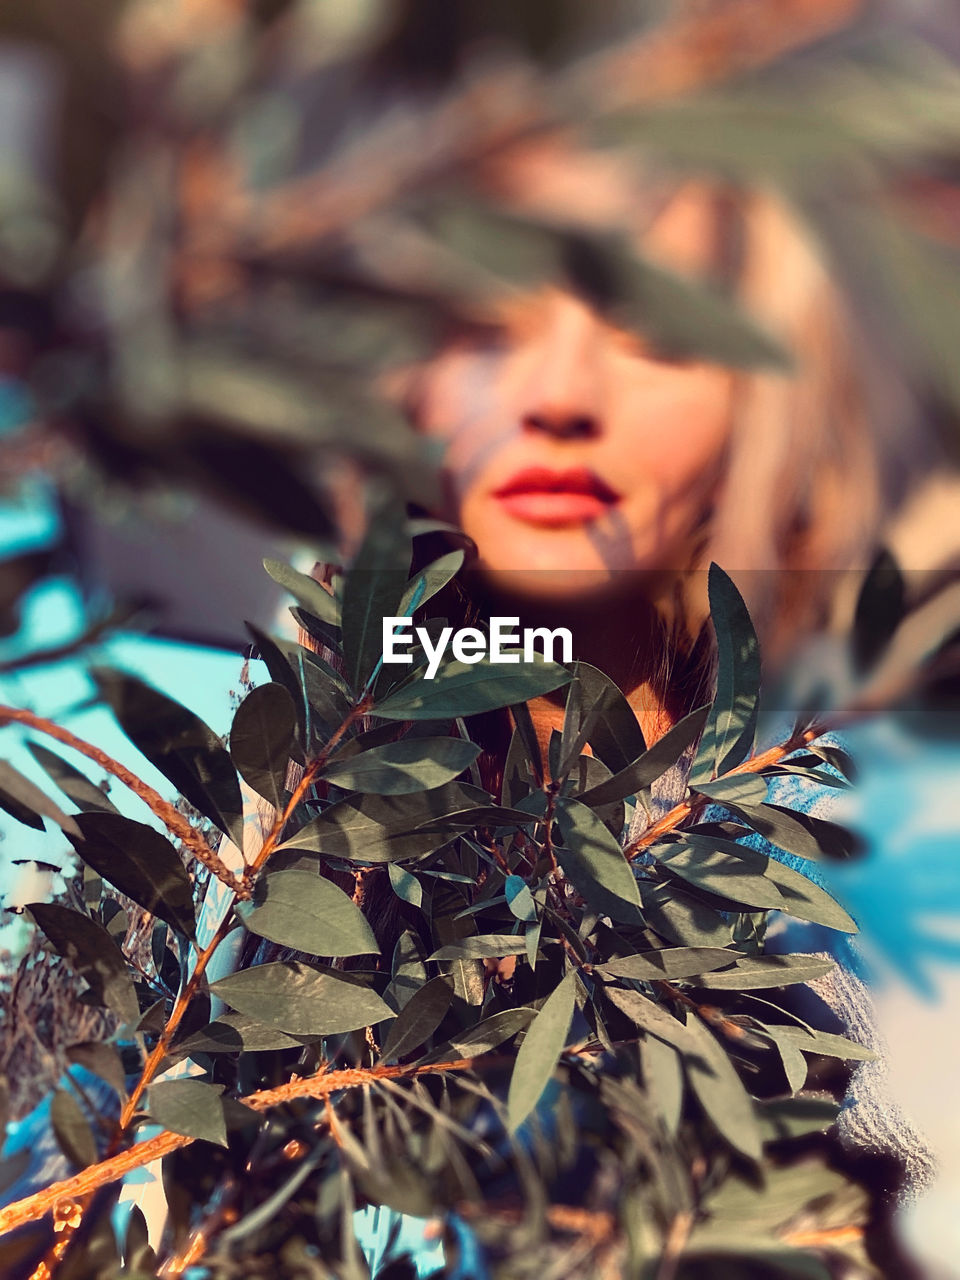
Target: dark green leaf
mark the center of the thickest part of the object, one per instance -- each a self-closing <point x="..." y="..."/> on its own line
<point x="538" y="1055"/>
<point x="418" y="1019"/>
<point x="92" y="953"/>
<point x="233" y="1032"/>
<point x="485" y="944"/>
<point x="103" y="1060"/>
<point x="261" y="740"/>
<point x="683" y="917"/>
<point x="754" y="972"/>
<point x="492" y="1031"/>
<point x="306" y="911"/>
<point x="731" y="725"/>
<point x="739" y="788"/>
<point x="301" y="1000"/>
<point x="720" y="1091"/>
<point x="180" y="745"/>
<point x="434" y="578"/>
<point x="468" y="689"/>
<point x="25" y="801"/>
<point x="372" y="591"/>
<point x="650" y="1017"/>
<point x="191" y="1107"/>
<point x="880" y="610"/>
<point x="593" y="861"/>
<point x="405" y="885"/>
<point x="305" y="590"/>
<point x="830" y="1046"/>
<point x="616" y="737"/>
<point x="71" y="1129"/>
<point x="84" y="793"/>
<point x="519" y="898"/>
<point x="140" y="862"/>
<point x="398" y="768"/>
<point x="652" y="764"/>
<point x="671" y="962"/>
<point x="663" y="1077"/>
<point x="384" y="828"/>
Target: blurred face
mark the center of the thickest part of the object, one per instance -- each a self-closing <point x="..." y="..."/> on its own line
<point x="576" y="457"/>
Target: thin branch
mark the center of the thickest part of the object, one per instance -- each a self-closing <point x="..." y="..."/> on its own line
<point x="173" y="820"/>
<point x="321" y="1085"/>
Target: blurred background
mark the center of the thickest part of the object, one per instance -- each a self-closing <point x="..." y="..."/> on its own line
<point x="223" y="221"/>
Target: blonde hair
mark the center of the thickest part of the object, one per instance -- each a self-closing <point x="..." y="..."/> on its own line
<point x="819" y="457"/>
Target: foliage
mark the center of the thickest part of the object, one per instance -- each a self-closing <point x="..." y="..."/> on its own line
<point x="543" y="1039"/>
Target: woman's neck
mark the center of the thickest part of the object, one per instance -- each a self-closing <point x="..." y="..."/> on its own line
<point x="620" y="636"/>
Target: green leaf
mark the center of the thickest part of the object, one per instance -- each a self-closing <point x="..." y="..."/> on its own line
<point x="830" y="1046"/>
<point x="304" y="910"/>
<point x="372" y="591"/>
<point x="103" y="1060"/>
<point x="537" y="1056"/>
<point x="739" y="788"/>
<point x="84" y="793"/>
<point x="261" y="740"/>
<point x="405" y="885"/>
<point x="484" y="944"/>
<point x="309" y="593"/>
<point x="399" y="768"/>
<point x="191" y="1107"/>
<point x="593" y="861"/>
<point x="140" y="862"/>
<point x="469" y="689"/>
<point x="745" y="875"/>
<point x="798" y="833"/>
<point x="434" y="578"/>
<point x="71" y="1129"/>
<point x="384" y="828"/>
<point x="754" y="972"/>
<point x="652" y="764"/>
<point x="683" y="917"/>
<point x="301" y="1000"/>
<point x="492" y="1031"/>
<point x="233" y="1033"/>
<point x="180" y="745"/>
<point x="615" y="737"/>
<point x="418" y="1019"/>
<point x="649" y="1016"/>
<point x="25" y="801"/>
<point x="519" y="898"/>
<point x="663" y="1077"/>
<point x="671" y="962"/>
<point x="92" y="954"/>
<point x="731" y="726"/>
<point x="720" y="1091"/>
<point x="738" y="879"/>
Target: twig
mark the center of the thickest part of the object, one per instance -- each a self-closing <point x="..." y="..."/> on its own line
<point x="171" y="817"/>
<point x="321" y="1085"/>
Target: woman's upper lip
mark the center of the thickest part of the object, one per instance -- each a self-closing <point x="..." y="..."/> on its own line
<point x="578" y="480"/>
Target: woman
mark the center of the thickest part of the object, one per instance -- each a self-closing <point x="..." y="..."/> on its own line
<point x="598" y="476"/>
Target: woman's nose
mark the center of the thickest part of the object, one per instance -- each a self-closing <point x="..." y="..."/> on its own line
<point x="564" y="423"/>
<point x="562" y="393"/>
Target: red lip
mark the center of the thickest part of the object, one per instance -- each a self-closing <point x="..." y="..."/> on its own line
<point x="575" y="480"/>
<point x="553" y="499"/>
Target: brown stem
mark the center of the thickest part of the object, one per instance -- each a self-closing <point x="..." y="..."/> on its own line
<point x="321" y="1085"/>
<point x="679" y="813"/>
<point x="170" y="816"/>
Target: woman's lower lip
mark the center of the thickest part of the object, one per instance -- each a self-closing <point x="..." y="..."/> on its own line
<point x="554" y="509"/>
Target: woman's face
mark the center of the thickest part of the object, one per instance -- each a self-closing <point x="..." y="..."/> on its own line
<point x="574" y="454"/>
